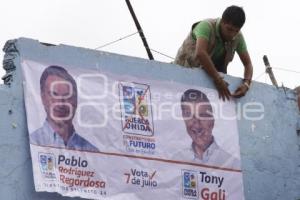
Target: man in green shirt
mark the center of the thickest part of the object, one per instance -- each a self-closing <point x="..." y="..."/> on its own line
<point x="212" y="43"/>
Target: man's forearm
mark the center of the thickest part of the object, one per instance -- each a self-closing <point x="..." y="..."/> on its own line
<point x="207" y="64"/>
<point x="248" y="72"/>
<point x="248" y="68"/>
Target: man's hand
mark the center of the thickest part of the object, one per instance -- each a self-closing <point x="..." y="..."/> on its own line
<point x="222" y="87"/>
<point x="241" y="90"/>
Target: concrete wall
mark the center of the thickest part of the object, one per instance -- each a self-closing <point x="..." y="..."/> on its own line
<point x="270" y="148"/>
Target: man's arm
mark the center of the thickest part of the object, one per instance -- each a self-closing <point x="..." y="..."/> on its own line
<point x="248" y="72"/>
<point x="203" y="58"/>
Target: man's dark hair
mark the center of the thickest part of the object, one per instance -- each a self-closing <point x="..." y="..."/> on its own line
<point x="60" y="72"/>
<point x="192" y="95"/>
<point x="198" y="97"/>
<point x="234" y="15"/>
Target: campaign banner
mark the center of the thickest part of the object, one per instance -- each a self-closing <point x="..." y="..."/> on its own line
<point x="101" y="135"/>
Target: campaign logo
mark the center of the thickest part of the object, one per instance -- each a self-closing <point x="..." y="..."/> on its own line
<point x="47" y="165"/>
<point x="189" y="184"/>
<point x="135" y="101"/>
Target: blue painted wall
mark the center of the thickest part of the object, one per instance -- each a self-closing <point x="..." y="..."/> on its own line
<point x="270" y="148"/>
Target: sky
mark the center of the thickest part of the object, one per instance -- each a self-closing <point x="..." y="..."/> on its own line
<point x="271" y="28"/>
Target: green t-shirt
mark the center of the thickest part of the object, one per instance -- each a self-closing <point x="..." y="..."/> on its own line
<point x="203" y="30"/>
